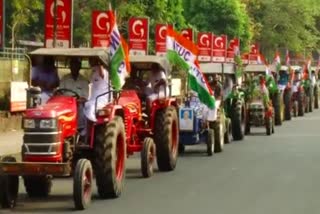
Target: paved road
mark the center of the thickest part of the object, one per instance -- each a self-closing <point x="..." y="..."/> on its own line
<point x="262" y="175"/>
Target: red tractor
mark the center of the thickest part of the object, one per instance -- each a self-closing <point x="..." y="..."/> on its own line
<point x="51" y="141"/>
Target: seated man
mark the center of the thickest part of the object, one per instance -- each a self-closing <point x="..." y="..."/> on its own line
<point x="45" y="76"/>
<point x="77" y="83"/>
<point x="157" y="85"/>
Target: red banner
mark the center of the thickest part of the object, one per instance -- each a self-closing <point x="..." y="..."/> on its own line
<point x="160" y="40"/>
<point x="219" y="48"/>
<point x="205" y="46"/>
<point x="63" y="23"/>
<point x="233" y="49"/>
<point x="138" y="36"/>
<point x="254" y="54"/>
<point x="188" y="33"/>
<point x="101" y="29"/>
<point x="1" y="23"/>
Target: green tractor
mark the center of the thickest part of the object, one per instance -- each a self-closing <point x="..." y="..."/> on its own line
<point x="275" y="94"/>
<point x="233" y="96"/>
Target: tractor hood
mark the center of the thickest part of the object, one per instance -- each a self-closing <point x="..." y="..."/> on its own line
<point x="55" y="107"/>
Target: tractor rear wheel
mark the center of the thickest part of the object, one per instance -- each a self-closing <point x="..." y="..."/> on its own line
<point x="166" y="138"/>
<point x="210" y="142"/>
<point x="237" y="123"/>
<point x="38" y="186"/>
<point x="148" y="154"/>
<point x="110" y="156"/>
<point x="295" y="108"/>
<point x="228" y="131"/>
<point x="9" y="187"/>
<point x="82" y="184"/>
<point x="287" y="105"/>
<point x="277" y="108"/>
<point x="300" y="104"/>
<point x="269" y="126"/>
<point x="307" y="103"/>
<point x="316" y="97"/>
<point x="311" y="99"/>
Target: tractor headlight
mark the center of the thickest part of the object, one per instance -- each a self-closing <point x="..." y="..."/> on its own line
<point x="29" y="124"/>
<point x="48" y="124"/>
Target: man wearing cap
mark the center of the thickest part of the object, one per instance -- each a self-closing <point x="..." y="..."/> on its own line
<point x="77" y="83"/>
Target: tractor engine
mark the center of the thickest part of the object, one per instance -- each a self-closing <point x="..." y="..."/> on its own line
<point x="257" y="114"/>
<point x="48" y="128"/>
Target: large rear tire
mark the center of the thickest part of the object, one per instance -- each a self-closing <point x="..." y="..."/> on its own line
<point x="269" y="126"/>
<point x="110" y="156"/>
<point x="9" y="187"/>
<point x="38" y="186"/>
<point x="316" y="97"/>
<point x="238" y="123"/>
<point x="166" y="136"/>
<point x="300" y="104"/>
<point x="287" y="105"/>
<point x="311" y="99"/>
<point x="276" y="100"/>
<point x="82" y="184"/>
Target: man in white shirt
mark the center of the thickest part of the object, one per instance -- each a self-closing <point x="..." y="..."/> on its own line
<point x="157" y="86"/>
<point x="99" y="85"/>
<point x="210" y="115"/>
<point x="77" y="83"/>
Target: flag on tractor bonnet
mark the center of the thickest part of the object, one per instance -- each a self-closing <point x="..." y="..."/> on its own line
<point x="182" y="52"/>
<point x="119" y="64"/>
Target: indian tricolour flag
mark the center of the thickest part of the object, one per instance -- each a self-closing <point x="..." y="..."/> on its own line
<point x="120" y="66"/>
<point x="183" y="53"/>
<point x="277" y="61"/>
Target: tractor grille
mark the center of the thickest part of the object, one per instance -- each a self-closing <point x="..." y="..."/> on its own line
<point x="41" y="143"/>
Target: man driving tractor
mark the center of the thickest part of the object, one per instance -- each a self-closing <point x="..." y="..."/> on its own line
<point x="77" y="83"/>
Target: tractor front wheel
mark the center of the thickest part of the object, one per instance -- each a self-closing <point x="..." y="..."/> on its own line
<point x="218" y="137"/>
<point x="110" y="156"/>
<point x="9" y="187"/>
<point x="166" y="138"/>
<point x="210" y="142"/>
<point x="38" y="186"/>
<point x="82" y="184"/>
<point x="148" y="154"/>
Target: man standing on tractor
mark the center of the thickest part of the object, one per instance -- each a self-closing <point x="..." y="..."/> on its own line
<point x="77" y="83"/>
<point x="99" y="85"/>
<point x="216" y="86"/>
<point x="45" y="76"/>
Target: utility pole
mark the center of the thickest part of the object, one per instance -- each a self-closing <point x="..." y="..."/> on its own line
<point x="55" y="24"/>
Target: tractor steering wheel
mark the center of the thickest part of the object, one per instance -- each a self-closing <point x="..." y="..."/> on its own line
<point x="64" y="91"/>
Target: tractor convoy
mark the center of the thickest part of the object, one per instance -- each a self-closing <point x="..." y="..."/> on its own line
<point x="159" y="129"/>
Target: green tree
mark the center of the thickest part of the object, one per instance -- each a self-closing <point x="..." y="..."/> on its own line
<point x="220" y="17"/>
<point x="22" y="17"/>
